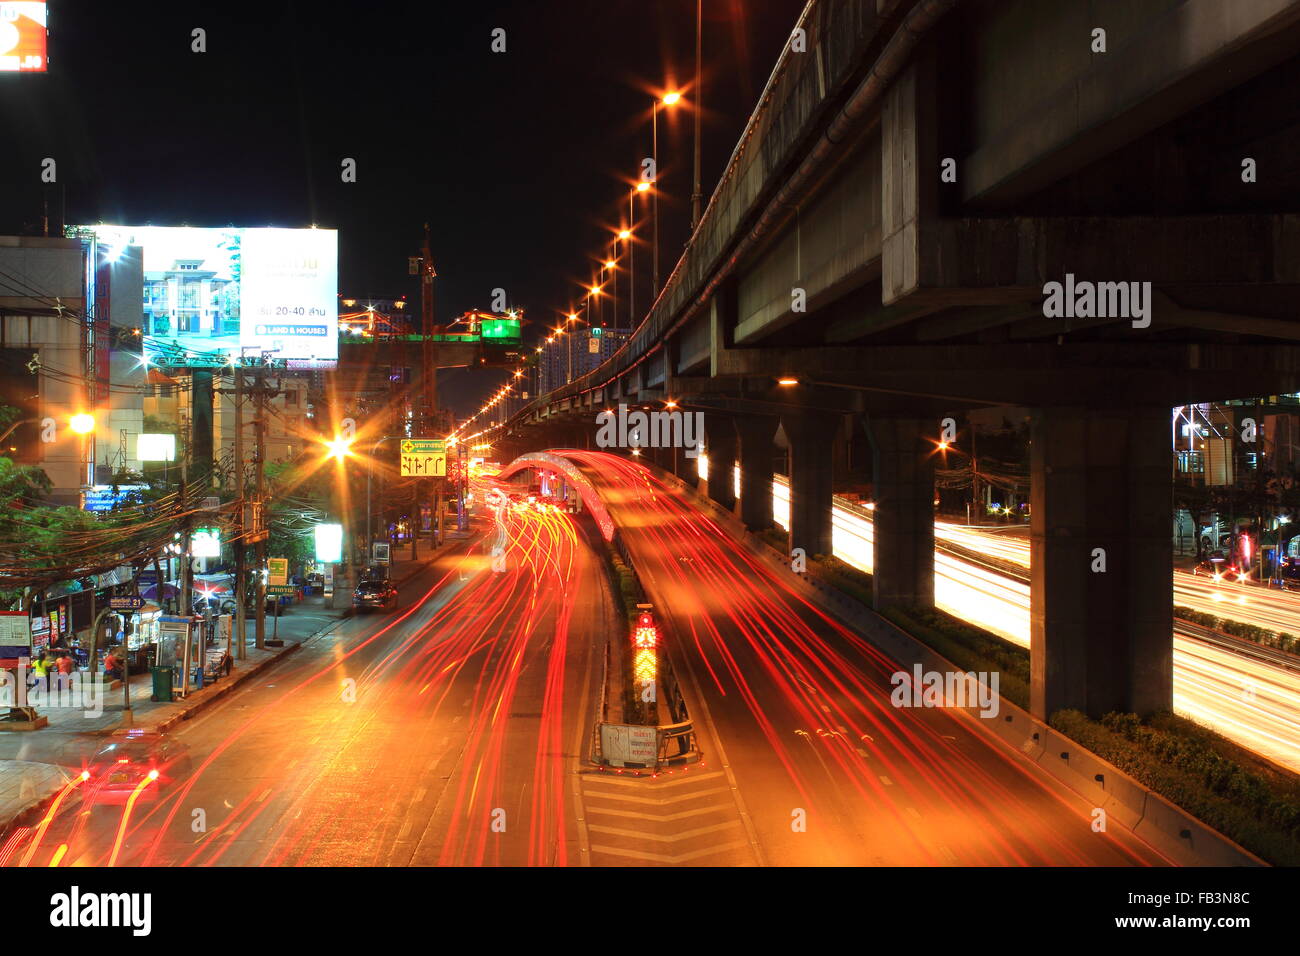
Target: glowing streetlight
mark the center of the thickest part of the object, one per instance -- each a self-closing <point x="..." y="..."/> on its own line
<point x="82" y="424"/>
<point x="625" y="234"/>
<point x="787" y="381"/>
<point x="671" y="98"/>
<point x="339" y="447"/>
<point x="643" y="186"/>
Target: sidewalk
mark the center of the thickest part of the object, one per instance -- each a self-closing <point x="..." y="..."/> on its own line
<point x="35" y="765"/>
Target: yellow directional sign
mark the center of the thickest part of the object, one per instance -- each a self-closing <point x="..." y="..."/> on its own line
<point x="424" y="458"/>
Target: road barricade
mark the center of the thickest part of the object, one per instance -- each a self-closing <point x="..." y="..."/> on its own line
<point x="643" y="747"/>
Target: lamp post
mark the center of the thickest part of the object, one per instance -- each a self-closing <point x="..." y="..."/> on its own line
<point x="631" y="261"/>
<point x="669" y="99"/>
<point x="654" y="201"/>
<point x="370" y="471"/>
<point x="696" y="195"/>
<point x="625" y="235"/>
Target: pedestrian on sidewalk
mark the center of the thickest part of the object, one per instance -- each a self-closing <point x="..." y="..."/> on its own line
<point x="112" y="665"/>
<point x="41" y="667"/>
<point x="63" y="666"/>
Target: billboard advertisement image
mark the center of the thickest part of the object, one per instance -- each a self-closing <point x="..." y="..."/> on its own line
<point x="22" y="36"/>
<point x="213" y="292"/>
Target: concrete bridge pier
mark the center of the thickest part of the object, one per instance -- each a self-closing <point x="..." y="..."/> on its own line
<point x="755" y="434"/>
<point x="1101" y="560"/>
<point x="903" y="459"/>
<point x="687" y="469"/>
<point x="721" y="445"/>
<point x="810" y="434"/>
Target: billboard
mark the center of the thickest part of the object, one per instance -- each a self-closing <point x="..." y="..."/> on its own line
<point x="211" y="293"/>
<point x="22" y="36"/>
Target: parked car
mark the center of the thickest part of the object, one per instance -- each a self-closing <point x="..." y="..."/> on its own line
<point x="1220" y="568"/>
<point x="119" y="766"/>
<point x="375" y="593"/>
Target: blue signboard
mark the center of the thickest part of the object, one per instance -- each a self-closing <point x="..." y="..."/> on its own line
<point x="107" y="497"/>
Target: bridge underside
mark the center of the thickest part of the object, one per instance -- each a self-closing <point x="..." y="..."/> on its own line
<point x="898" y="269"/>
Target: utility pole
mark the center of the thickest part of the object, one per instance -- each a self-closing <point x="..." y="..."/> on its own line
<point x="415" y="519"/>
<point x="429" y="419"/>
<point x="241" y="521"/>
<point x="187" y="577"/>
<point x="430" y="380"/>
<point x="259" y="436"/>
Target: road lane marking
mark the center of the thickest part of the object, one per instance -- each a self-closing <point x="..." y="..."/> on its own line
<point x="639" y="815"/>
<point x="643" y="783"/>
<point x="657" y="801"/>
<point x="664" y="837"/>
<point x="668" y="857"/>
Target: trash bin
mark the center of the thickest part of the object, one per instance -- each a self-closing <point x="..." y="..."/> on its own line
<point x="162" y="683"/>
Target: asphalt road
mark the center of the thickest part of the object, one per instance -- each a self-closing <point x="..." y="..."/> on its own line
<point x="454" y="730"/>
<point x="798" y="726"/>
<point x="447" y="732"/>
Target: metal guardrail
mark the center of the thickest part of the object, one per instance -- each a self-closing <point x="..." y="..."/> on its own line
<point x="681" y="738"/>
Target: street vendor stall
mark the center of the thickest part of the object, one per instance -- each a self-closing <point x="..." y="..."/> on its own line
<point x="142" y="637"/>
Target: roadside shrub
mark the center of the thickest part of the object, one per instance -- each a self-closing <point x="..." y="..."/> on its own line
<point x="1232" y="790"/>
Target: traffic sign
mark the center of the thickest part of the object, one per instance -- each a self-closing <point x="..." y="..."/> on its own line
<point x="127" y="603"/>
<point x="277" y="571"/>
<point x="424" y="458"/>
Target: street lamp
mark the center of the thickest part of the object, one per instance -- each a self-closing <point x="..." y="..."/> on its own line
<point x="669" y="99"/>
<point x="339" y="448"/>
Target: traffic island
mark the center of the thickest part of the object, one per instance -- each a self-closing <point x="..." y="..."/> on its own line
<point x="642" y="721"/>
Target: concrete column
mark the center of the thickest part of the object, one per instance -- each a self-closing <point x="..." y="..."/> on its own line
<point x="1101" y="573"/>
<point x="840" y="459"/>
<point x="756" y="451"/>
<point x="686" y="468"/>
<point x="903" y="466"/>
<point x="810" y="436"/>
<point x="721" y="445"/>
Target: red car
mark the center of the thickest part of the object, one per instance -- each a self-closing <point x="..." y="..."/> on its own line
<point x="119" y="766"/>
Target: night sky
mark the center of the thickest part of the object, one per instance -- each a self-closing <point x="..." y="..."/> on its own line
<point x="520" y="161"/>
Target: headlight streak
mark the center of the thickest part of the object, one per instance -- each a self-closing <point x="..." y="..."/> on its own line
<point x="1212" y="691"/>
